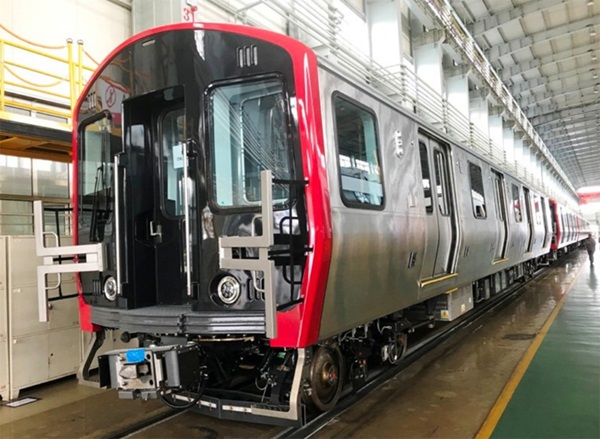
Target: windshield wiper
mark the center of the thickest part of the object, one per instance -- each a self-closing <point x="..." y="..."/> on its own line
<point x="100" y="216"/>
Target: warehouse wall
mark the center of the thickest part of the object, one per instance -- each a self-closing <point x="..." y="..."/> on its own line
<point x="101" y="24"/>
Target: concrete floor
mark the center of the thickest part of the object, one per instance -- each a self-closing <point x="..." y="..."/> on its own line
<point x="449" y="392"/>
<point x="558" y="393"/>
<point x="446" y="394"/>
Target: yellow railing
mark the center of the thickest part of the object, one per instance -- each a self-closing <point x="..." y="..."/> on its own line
<point x="41" y="79"/>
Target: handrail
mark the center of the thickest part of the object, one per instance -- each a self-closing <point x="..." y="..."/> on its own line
<point x="47" y="83"/>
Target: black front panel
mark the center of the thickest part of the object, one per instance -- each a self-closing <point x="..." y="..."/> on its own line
<point x="166" y="84"/>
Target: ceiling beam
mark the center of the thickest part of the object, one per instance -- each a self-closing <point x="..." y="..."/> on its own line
<point x="462" y="10"/>
<point x="582" y="135"/>
<point x="508" y="72"/>
<point x="496" y="20"/>
<point x="513" y="46"/>
<point x="562" y="124"/>
<point x="574" y="136"/>
<point x="580" y="88"/>
<point x="541" y="110"/>
<point x="561" y="113"/>
<point x="520" y="87"/>
<point x="571" y="143"/>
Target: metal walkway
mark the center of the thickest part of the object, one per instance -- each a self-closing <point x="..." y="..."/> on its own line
<point x="39" y="85"/>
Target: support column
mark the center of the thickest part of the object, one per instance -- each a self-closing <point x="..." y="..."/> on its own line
<point x="479" y="111"/>
<point x="537" y="168"/>
<point x="457" y="97"/>
<point x="518" y="147"/>
<point x="457" y="89"/>
<point x="428" y="63"/>
<point x="385" y="32"/>
<point x="496" y="132"/>
<point x="508" y="140"/>
<point x="386" y="44"/>
<point x="528" y="171"/>
<point x="429" y="70"/>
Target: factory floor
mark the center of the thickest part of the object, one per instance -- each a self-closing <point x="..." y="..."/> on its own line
<point x="530" y="370"/>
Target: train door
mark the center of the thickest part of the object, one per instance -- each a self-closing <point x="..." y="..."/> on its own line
<point x="562" y="225"/>
<point x="547" y="232"/>
<point x="502" y="224"/>
<point x="529" y="214"/>
<point x="157" y="193"/>
<point x="439" y="205"/>
<point x="555" y="225"/>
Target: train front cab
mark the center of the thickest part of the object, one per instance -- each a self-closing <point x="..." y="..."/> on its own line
<point x="211" y="169"/>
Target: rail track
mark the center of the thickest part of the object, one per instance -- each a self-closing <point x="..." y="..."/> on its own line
<point x="377" y="377"/>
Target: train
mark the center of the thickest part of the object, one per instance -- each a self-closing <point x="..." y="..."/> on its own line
<point x="270" y="228"/>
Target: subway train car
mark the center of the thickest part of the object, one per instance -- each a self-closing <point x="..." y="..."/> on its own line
<point x="568" y="229"/>
<point x="270" y="228"/>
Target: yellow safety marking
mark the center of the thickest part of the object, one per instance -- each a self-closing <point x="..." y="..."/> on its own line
<point x="499" y="261"/>
<point x="424" y="283"/>
<point x="451" y="291"/>
<point x="488" y="426"/>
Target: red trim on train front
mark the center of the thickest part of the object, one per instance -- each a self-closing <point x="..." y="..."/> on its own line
<point x="300" y="326"/>
<point x="307" y="316"/>
<point x="85" y="310"/>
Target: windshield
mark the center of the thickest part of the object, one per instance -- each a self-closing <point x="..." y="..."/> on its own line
<point x="95" y="178"/>
<point x="248" y="134"/>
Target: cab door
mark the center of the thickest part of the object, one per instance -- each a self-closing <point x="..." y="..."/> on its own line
<point x="157" y="185"/>
<point x="502" y="224"/>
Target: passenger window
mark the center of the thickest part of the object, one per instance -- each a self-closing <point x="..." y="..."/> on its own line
<point x="516" y="199"/>
<point x="441" y="182"/>
<point x="477" y="194"/>
<point x="426" y="178"/>
<point x="361" y="180"/>
<point x="498" y="197"/>
<point x="538" y="210"/>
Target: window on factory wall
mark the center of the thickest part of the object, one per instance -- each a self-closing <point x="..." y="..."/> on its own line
<point x="357" y="5"/>
<point x="360" y="174"/>
<point x="516" y="202"/>
<point x="407" y="48"/>
<point x="477" y="193"/>
<point x="33" y="179"/>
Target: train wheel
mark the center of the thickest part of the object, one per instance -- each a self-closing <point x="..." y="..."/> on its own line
<point x="325" y="378"/>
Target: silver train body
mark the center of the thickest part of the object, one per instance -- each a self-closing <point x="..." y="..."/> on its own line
<point x="390" y="259"/>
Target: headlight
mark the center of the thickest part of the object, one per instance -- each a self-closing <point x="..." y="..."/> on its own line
<point x="228" y="290"/>
<point x="110" y="288"/>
